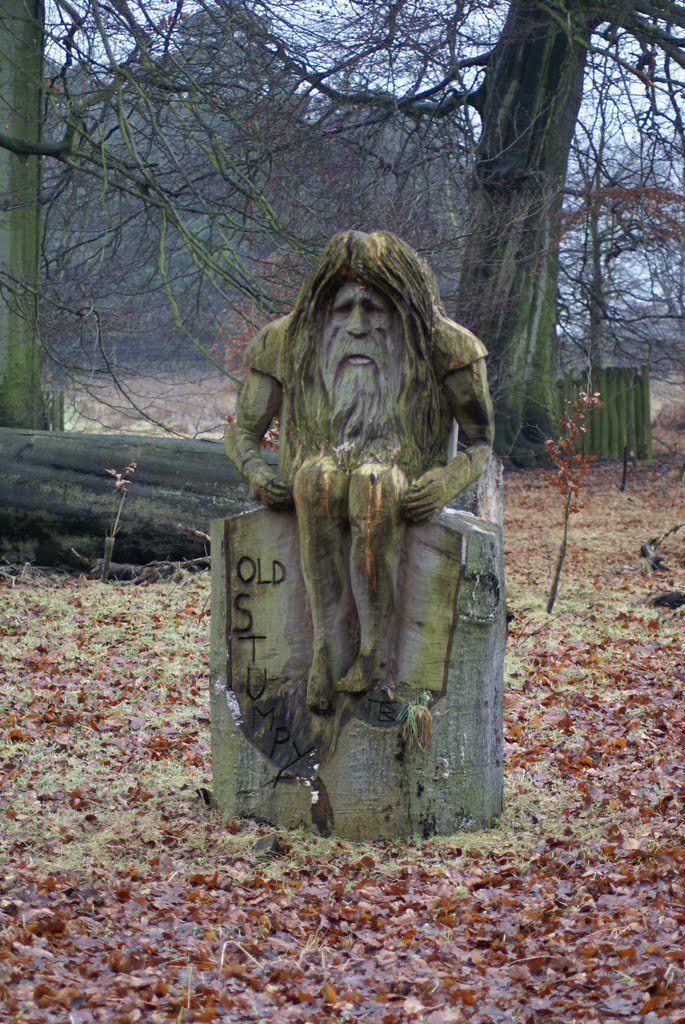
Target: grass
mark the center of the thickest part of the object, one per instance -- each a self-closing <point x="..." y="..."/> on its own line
<point x="416" y="720"/>
<point x="108" y="682"/>
<point x="145" y="650"/>
<point x="171" y="405"/>
<point x="104" y="743"/>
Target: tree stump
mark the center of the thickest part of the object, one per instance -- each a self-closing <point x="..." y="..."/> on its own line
<point x="358" y="620"/>
<point x="367" y="771"/>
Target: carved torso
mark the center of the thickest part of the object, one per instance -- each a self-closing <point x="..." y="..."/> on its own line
<point x="453" y="347"/>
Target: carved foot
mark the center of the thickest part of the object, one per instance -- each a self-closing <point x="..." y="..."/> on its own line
<point x="361" y="676"/>
<point x="319" y="688"/>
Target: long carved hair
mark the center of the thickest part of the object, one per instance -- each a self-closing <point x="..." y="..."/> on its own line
<point x="384" y="262"/>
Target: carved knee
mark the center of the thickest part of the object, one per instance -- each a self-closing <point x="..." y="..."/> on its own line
<point x="376" y="492"/>
<point x="320" y="486"/>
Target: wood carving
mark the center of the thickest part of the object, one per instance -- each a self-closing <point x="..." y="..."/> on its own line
<point x="366" y="374"/>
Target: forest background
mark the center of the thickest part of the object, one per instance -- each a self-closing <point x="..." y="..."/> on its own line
<point x="171" y="168"/>
<point x="169" y="171"/>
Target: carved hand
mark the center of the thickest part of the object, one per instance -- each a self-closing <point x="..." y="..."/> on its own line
<point x="426" y="496"/>
<point x="269" y="490"/>
<point x="433" y="489"/>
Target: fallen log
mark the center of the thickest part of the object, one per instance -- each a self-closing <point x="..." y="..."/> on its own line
<point x="58" y="498"/>
<point x="56" y="494"/>
<point x="151" y="572"/>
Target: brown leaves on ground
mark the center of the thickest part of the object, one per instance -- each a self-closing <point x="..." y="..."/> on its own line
<point x="125" y="899"/>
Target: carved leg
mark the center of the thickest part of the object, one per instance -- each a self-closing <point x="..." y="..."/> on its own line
<point x="321" y="502"/>
<point x="377" y="536"/>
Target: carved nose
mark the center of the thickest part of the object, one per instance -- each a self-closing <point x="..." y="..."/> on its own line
<point x="358" y="324"/>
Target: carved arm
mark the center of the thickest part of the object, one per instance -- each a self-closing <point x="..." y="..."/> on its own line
<point x="258" y="403"/>
<point x="469" y="401"/>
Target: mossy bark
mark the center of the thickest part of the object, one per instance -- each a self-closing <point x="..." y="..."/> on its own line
<point x="21" y="62"/>
<point x="508" y="281"/>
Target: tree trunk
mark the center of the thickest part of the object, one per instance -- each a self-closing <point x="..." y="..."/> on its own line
<point x="508" y="282"/>
<point x="56" y="493"/>
<point x="21" y="64"/>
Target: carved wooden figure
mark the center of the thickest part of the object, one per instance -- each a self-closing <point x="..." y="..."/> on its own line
<point x="366" y="376"/>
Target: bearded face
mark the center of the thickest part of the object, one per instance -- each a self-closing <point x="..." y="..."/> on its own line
<point x="361" y="380"/>
<point x="363" y="365"/>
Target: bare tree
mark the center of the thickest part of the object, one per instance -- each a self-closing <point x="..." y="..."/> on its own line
<point x="188" y="166"/>
<point x="621" y="263"/>
<point x="247" y="130"/>
<point x="521" y="68"/>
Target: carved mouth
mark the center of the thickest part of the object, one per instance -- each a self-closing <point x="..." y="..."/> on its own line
<point x="359" y="360"/>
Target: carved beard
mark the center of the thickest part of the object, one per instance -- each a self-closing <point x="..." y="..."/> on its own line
<point x="362" y="396"/>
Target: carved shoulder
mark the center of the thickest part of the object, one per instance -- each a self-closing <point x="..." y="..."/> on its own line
<point x="455" y="347"/>
<point x="266" y="351"/>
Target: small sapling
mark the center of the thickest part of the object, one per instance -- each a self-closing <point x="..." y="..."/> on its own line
<point x="571" y="468"/>
<point x="122" y="484"/>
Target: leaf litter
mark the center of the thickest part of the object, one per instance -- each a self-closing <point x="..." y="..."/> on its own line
<point x="125" y="898"/>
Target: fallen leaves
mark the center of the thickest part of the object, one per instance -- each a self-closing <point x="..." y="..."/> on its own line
<point x="124" y="898"/>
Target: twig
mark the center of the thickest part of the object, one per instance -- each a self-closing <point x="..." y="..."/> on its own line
<point x="571" y="468"/>
<point x="650" y="548"/>
<point x="193" y="532"/>
<point x="243" y="950"/>
<point x="81" y="558"/>
<point x="657" y="541"/>
<point x="122" y="483"/>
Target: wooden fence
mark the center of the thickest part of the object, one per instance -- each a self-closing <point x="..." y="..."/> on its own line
<point x="623" y="423"/>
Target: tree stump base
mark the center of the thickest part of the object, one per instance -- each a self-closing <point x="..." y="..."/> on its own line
<point x="420" y="757"/>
